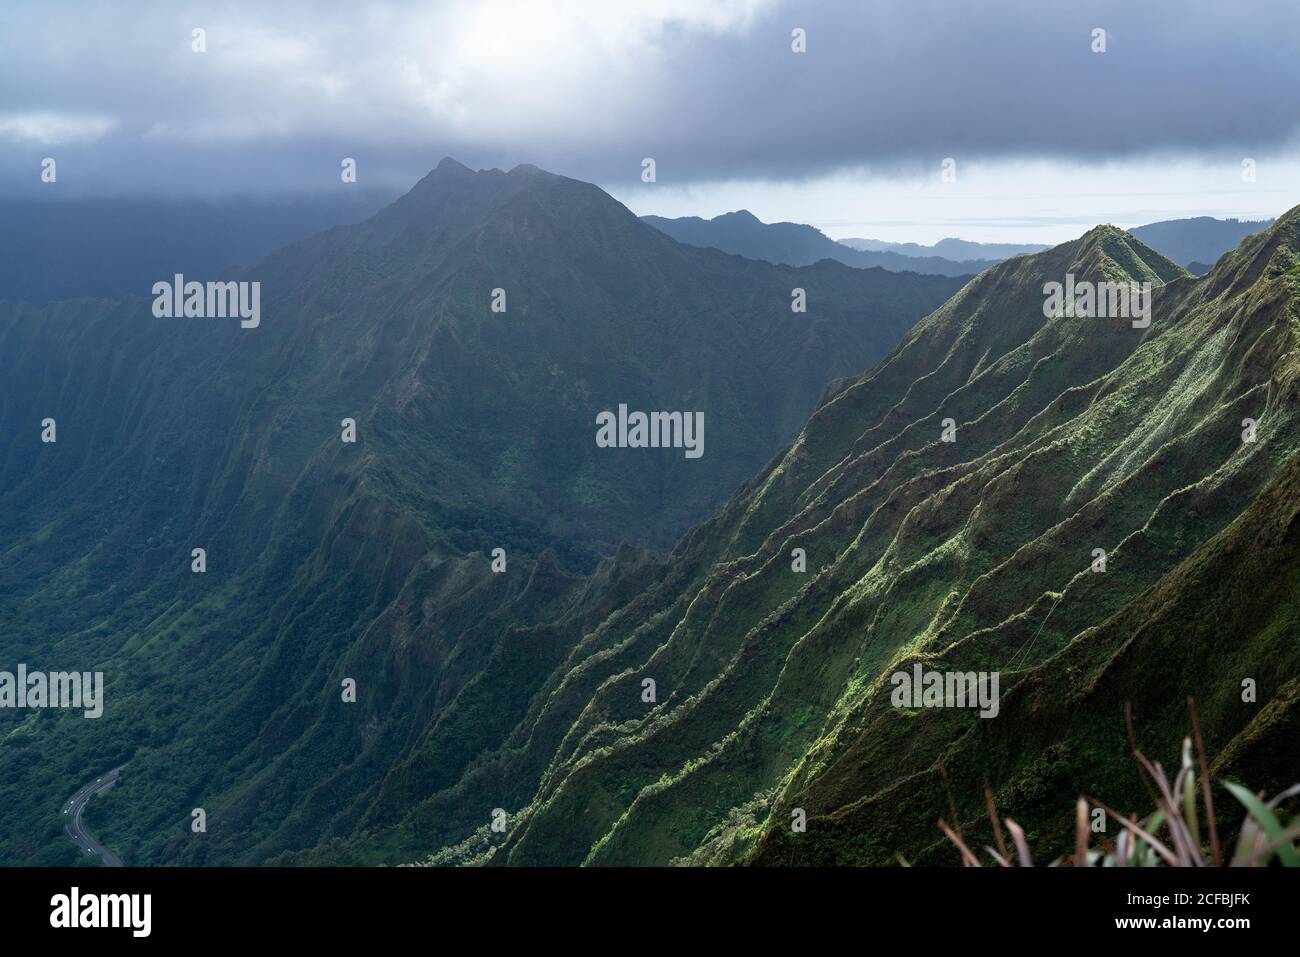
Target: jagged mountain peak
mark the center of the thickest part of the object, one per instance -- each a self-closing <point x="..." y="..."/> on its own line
<point x="453" y="203"/>
<point x="738" y="216"/>
<point x="450" y="164"/>
<point x="528" y="169"/>
<point x="451" y="176"/>
<point x="1119" y="255"/>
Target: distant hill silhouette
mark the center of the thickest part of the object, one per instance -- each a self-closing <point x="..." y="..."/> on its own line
<point x="958" y="250"/>
<point x="1200" y="239"/>
<point x="744" y="234"/>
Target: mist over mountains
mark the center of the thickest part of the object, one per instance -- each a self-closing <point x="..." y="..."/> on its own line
<point x="55" y="248"/>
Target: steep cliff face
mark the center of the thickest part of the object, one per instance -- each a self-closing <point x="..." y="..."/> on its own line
<point x="773" y="693"/>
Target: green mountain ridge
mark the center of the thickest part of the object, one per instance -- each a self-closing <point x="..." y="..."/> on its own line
<point x="475" y="430"/>
<point x="773" y="692"/>
<point x="524" y="692"/>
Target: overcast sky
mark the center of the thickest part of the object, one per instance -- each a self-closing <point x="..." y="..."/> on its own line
<point x="1048" y="136"/>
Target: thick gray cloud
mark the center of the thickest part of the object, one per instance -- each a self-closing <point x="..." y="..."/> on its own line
<point x="712" y="91"/>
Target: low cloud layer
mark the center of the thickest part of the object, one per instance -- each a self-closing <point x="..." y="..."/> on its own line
<point x="711" y="91"/>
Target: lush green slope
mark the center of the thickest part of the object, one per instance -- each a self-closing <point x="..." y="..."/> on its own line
<point x="328" y="560"/>
<point x="525" y="692"/>
<point x="1072" y="434"/>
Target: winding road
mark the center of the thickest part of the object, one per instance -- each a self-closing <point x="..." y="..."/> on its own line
<point x="75" y="828"/>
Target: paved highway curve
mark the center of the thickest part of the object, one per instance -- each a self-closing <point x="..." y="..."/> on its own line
<point x="75" y="828"/>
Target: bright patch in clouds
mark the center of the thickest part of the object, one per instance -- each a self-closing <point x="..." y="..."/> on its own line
<point x="54" y="129"/>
